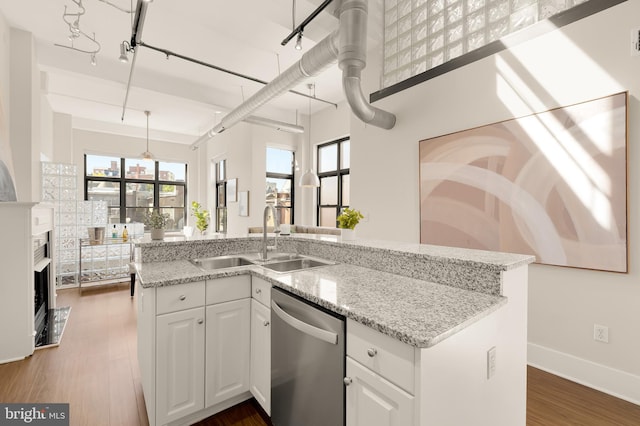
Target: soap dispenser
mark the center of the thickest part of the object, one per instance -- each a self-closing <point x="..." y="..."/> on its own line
<point x="114" y="232"/>
<point x="125" y="234"/>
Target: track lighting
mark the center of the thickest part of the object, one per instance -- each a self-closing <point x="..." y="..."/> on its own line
<point x="299" y="41"/>
<point x="124" y="48"/>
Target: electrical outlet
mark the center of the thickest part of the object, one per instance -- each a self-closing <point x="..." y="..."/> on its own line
<point x="635" y="42"/>
<point x="601" y="333"/>
<point x="491" y="362"/>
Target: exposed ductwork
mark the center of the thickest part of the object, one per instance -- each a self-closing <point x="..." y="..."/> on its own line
<point x="274" y="124"/>
<point x="347" y="46"/>
<point x="352" y="59"/>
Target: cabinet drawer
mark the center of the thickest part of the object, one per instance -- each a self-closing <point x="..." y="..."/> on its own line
<point x="384" y="355"/>
<point x="228" y="288"/>
<point x="178" y="297"/>
<point x="261" y="291"/>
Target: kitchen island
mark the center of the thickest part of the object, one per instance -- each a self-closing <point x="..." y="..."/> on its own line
<point x="456" y="317"/>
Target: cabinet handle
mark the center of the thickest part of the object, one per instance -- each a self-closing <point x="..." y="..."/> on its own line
<point x="258" y="290"/>
<point x="347" y="381"/>
<point x="372" y="352"/>
<point x="200" y="320"/>
<point x="265" y="323"/>
<point x="182" y="297"/>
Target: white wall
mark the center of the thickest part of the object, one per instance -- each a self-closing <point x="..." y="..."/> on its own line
<point x="62" y="138"/>
<point x="583" y="61"/>
<point x="25" y="115"/>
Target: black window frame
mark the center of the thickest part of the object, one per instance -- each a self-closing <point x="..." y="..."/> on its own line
<point x="288" y="176"/>
<point x="122" y="181"/>
<point x="339" y="173"/>
<point x="221" y="196"/>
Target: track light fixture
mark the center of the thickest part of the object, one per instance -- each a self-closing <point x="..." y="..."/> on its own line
<point x="76" y="34"/>
<point x="124" y="49"/>
<point x="299" y="41"/>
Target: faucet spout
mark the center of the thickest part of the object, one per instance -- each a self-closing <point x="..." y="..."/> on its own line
<point x="268" y="210"/>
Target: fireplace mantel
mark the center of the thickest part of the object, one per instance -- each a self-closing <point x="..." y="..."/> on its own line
<point x="21" y="223"/>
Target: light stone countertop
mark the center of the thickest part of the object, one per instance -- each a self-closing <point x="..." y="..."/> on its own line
<point x="416" y="312"/>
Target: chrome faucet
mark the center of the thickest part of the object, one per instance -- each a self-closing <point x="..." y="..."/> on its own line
<point x="276" y="228"/>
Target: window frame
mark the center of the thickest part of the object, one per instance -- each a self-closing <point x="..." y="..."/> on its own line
<point x="286" y="176"/>
<point x="122" y="182"/>
<point x="221" y="190"/>
<point x="338" y="173"/>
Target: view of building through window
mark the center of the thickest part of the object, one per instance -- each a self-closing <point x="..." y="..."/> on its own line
<point x="279" y="183"/>
<point x="334" y="160"/>
<point x="144" y="185"/>
<point x="221" y="196"/>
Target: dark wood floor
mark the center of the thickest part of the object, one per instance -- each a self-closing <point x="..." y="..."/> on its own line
<point x="95" y="370"/>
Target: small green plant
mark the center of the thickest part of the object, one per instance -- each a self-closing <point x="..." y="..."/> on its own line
<point x="349" y="218"/>
<point x="202" y="216"/>
<point x="155" y="219"/>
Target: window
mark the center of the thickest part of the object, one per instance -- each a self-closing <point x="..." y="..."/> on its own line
<point x="221" y="196"/>
<point x="279" y="190"/>
<point x="132" y="187"/>
<point x="421" y="35"/>
<point x="333" y="171"/>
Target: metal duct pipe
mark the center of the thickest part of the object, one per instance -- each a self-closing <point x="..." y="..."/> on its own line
<point x="352" y="59"/>
<point x="348" y="45"/>
<point x="278" y="125"/>
<point x="312" y="63"/>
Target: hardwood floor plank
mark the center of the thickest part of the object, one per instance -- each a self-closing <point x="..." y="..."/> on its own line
<point x="95" y="370"/>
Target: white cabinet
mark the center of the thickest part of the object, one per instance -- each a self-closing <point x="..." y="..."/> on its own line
<point x="180" y="364"/>
<point x="194" y="348"/>
<point x="379" y="379"/>
<point x="372" y="400"/>
<point x="261" y="344"/>
<point x="227" y="349"/>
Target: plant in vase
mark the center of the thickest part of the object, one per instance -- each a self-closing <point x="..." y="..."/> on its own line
<point x="347" y="221"/>
<point x="157" y="222"/>
<point x="201" y="215"/>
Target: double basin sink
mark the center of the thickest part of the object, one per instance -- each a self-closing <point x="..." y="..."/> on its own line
<point x="278" y="262"/>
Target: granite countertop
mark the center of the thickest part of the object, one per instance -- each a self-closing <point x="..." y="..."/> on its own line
<point x="416" y="312"/>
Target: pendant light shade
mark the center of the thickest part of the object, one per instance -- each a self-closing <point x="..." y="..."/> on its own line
<point x="309" y="178"/>
<point x="147" y="155"/>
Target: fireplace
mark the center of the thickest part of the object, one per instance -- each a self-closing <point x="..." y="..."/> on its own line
<point x="41" y="288"/>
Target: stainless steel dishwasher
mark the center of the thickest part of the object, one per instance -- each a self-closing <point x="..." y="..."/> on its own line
<point x="307" y="363"/>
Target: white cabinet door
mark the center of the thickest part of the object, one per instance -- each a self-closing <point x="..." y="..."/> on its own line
<point x="180" y="364"/>
<point x="261" y="354"/>
<point x="372" y="400"/>
<point x="228" y="340"/>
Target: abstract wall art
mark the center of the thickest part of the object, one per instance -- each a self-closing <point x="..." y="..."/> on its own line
<point x="552" y="184"/>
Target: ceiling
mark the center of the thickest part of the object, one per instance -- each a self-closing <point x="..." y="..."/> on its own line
<point x="185" y="99"/>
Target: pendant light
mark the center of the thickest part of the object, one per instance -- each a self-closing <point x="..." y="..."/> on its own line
<point x="309" y="179"/>
<point x="147" y="155"/>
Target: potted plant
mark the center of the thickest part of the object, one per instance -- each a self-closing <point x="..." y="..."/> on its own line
<point x="157" y="222"/>
<point x="347" y="221"/>
<point x="201" y="215"/>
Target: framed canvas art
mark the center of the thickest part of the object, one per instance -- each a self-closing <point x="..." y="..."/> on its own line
<point x="552" y="184"/>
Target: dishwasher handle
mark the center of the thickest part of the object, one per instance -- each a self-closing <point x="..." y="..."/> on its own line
<point x="313" y="331"/>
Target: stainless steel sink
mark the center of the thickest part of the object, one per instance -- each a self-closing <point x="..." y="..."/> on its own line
<point x="295" y="265"/>
<point x="221" y="262"/>
<point x="280" y="257"/>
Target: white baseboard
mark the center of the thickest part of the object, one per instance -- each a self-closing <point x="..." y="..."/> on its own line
<point x="614" y="382"/>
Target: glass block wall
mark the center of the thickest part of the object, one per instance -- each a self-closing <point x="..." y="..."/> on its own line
<point x="71" y="218"/>
<point x="422" y="34"/>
